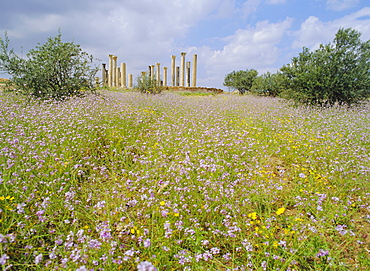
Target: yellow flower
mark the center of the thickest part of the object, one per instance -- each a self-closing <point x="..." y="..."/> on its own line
<point x="280" y="211"/>
<point x="253" y="215"/>
<point x="162" y="203"/>
<point x="176" y="214"/>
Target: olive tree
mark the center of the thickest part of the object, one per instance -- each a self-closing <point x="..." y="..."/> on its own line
<point x="336" y="73"/>
<point x="269" y="84"/>
<point x="241" y="80"/>
<point x="54" y="70"/>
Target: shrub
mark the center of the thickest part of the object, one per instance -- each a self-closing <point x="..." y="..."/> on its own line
<point x="336" y="73"/>
<point x="54" y="70"/>
<point x="146" y="84"/>
<point x="268" y="84"/>
<point x="241" y="80"/>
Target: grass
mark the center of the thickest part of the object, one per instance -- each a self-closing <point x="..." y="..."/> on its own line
<point x="126" y="181"/>
<point x="195" y="93"/>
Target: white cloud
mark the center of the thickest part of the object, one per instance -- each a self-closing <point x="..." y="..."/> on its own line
<point x="140" y="33"/>
<point x="251" y="48"/>
<point x="41" y="24"/>
<point x="250" y="7"/>
<point x="313" y="31"/>
<point x="226" y="9"/>
<point x="339" y="5"/>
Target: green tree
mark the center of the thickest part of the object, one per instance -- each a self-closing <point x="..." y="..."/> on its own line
<point x="54" y="70"/>
<point x="270" y="84"/>
<point x="241" y="80"/>
<point x="337" y="73"/>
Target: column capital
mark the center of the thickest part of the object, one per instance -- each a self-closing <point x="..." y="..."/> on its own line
<point x="183" y="53"/>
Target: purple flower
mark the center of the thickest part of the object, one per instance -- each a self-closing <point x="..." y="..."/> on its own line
<point x="100" y="204"/>
<point x="82" y="268"/>
<point x="322" y="253"/>
<point x="38" y="258"/>
<point x="342" y="229"/>
<point x="146" y="243"/>
<point x="3" y="259"/>
<point x="20" y="208"/>
<point x="146" y="266"/>
<point x="94" y="243"/>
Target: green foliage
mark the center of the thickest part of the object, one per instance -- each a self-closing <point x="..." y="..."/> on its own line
<point x="269" y="84"/>
<point x="146" y="84"/>
<point x="54" y="70"/>
<point x="336" y="73"/>
<point x="241" y="80"/>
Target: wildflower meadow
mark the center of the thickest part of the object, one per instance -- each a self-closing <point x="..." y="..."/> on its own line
<point x="128" y="181"/>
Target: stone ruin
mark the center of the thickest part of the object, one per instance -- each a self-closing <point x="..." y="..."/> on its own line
<point x="184" y="75"/>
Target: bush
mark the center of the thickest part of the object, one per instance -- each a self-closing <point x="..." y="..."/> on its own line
<point x="146" y="84"/>
<point x="268" y="84"/>
<point x="55" y="70"/>
<point x="241" y="80"/>
<point x="336" y="73"/>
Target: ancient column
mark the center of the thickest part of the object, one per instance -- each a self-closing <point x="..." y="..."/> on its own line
<point x="177" y="76"/>
<point x="129" y="80"/>
<point x="194" y="77"/>
<point x="158" y="74"/>
<point x="123" y="75"/>
<point x="182" y="70"/>
<point x="173" y="71"/>
<point x="104" y="75"/>
<point x="188" y="74"/>
<point x="165" y="76"/>
<point x="118" y="77"/>
<point x="143" y="74"/>
<point x="110" y="70"/>
<point x="114" y="71"/>
<point x="152" y="72"/>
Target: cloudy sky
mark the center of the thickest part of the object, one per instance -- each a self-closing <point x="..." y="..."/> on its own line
<point x="227" y="35"/>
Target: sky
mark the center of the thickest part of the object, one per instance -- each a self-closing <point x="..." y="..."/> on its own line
<point x="226" y="35"/>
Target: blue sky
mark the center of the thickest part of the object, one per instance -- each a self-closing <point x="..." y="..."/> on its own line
<point x="227" y="35"/>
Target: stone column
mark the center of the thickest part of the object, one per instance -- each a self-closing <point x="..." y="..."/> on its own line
<point x="143" y="74"/>
<point x="173" y="70"/>
<point x="158" y="74"/>
<point x="118" y="77"/>
<point x="104" y="75"/>
<point x="188" y="74"/>
<point x="114" y="71"/>
<point x="129" y="80"/>
<point x="123" y="75"/>
<point x="177" y="76"/>
<point x="110" y="73"/>
<point x="165" y="76"/>
<point x="194" y="77"/>
<point x="152" y="72"/>
<point x="182" y="70"/>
